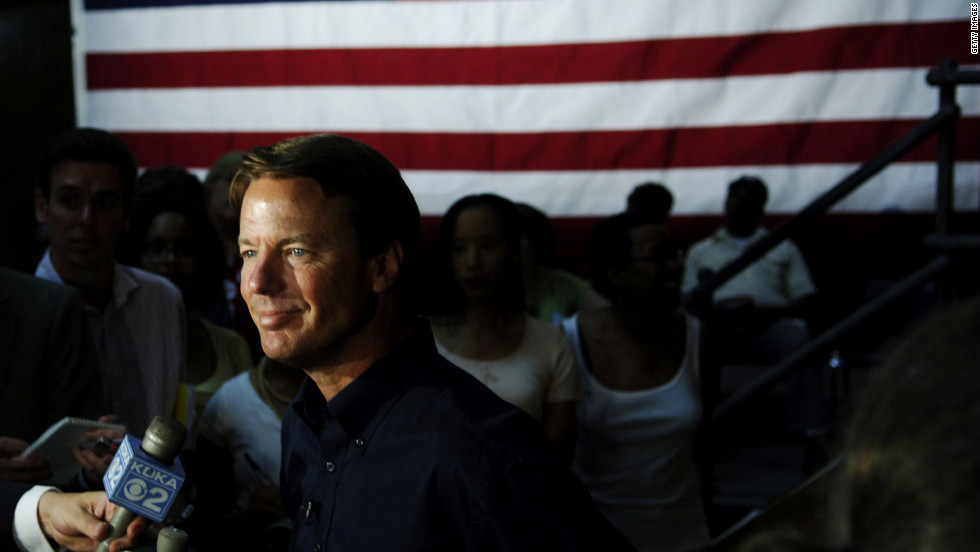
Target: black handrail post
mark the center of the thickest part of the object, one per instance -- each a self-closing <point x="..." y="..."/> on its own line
<point x="946" y="77"/>
<point x="946" y="144"/>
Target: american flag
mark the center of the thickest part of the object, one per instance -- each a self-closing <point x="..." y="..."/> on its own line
<point x="559" y="103"/>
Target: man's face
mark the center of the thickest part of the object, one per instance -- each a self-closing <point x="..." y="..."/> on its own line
<point x="308" y="289"/>
<point x="743" y="210"/>
<point x="85" y="214"/>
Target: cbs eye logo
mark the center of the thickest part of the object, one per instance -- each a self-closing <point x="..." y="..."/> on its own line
<point x="135" y="489"/>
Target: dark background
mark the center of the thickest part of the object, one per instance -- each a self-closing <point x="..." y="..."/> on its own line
<point x="37" y="101"/>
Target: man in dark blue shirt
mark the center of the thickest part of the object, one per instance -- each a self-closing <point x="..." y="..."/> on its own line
<point x="388" y="446"/>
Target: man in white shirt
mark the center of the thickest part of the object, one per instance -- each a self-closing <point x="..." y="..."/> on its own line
<point x="774" y="289"/>
<point x="760" y="313"/>
<point x="84" y="196"/>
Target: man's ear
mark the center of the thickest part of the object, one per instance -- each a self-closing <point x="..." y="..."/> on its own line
<point x="40" y="207"/>
<point x="388" y="265"/>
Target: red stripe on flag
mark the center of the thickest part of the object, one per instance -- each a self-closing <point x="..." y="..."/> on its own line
<point x="838" y="48"/>
<point x="785" y="144"/>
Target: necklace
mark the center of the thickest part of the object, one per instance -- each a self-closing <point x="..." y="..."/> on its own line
<point x="486" y="370"/>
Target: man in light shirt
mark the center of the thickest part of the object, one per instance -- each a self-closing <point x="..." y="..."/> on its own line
<point x="83" y="196"/>
<point x="774" y="290"/>
<point x="760" y="313"/>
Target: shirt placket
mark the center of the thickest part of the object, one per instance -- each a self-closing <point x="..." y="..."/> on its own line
<point x="320" y="510"/>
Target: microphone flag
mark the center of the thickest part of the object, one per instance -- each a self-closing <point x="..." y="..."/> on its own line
<point x="141" y="484"/>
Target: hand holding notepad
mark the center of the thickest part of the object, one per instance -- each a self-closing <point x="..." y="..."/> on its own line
<point x="14" y="467"/>
<point x="55" y="445"/>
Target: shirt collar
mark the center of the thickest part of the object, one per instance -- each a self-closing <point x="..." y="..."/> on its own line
<point x="723" y="235"/>
<point x="361" y="405"/>
<point x="46" y="270"/>
<point x="123" y="284"/>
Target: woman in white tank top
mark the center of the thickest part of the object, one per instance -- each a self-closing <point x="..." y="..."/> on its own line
<point x="639" y="359"/>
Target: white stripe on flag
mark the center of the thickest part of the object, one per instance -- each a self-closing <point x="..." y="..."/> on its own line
<point x="900" y="187"/>
<point x="903" y="187"/>
<point x="826" y="96"/>
<point x="469" y="23"/>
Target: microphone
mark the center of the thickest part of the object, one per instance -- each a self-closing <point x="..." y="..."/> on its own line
<point x="172" y="539"/>
<point x="144" y="476"/>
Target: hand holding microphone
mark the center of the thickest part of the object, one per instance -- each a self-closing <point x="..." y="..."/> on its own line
<point x="77" y="521"/>
<point x="144" y="476"/>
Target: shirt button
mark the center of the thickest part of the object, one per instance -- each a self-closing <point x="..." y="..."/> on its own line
<point x="316" y="548"/>
<point x="359" y="442"/>
<point x="329" y="466"/>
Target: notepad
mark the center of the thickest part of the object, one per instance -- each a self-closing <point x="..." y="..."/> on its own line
<point x="56" y="444"/>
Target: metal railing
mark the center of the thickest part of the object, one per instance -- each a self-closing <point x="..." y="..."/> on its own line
<point x="943" y="123"/>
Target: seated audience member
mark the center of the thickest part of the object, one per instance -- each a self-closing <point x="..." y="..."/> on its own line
<point x="763" y="306"/>
<point x="652" y="198"/>
<point x="552" y="294"/>
<point x="483" y="326"/>
<point x="911" y="461"/>
<point x="136" y="318"/>
<point x="759" y="315"/>
<point x="239" y="455"/>
<point x="34" y="518"/>
<point x="641" y="360"/>
<point x="175" y="239"/>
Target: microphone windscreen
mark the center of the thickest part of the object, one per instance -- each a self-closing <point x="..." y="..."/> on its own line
<point x="164" y="439"/>
<point x="172" y="539"/>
